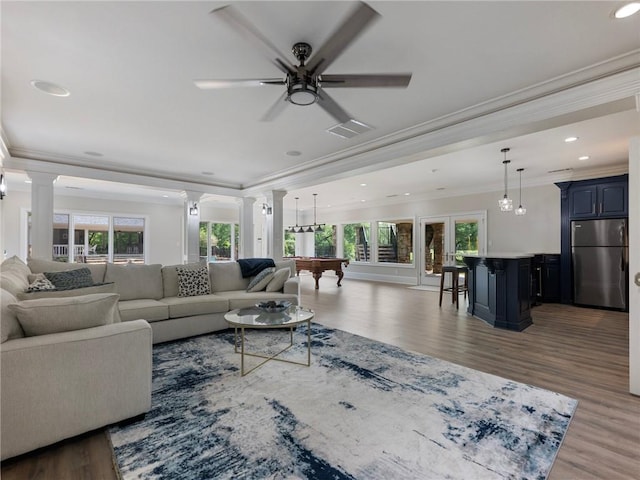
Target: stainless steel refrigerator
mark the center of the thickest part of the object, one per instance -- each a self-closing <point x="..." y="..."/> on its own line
<point x="600" y="254"/>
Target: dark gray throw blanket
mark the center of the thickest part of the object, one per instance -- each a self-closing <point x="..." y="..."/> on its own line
<point x="253" y="266"/>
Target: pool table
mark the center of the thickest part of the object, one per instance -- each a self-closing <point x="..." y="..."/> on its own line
<point x="318" y="265"/>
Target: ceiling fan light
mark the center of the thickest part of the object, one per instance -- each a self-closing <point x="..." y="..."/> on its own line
<point x="302" y="93"/>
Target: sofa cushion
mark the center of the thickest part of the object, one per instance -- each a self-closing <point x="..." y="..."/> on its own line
<point x="14" y="281"/>
<point x="170" y="277"/>
<point x="9" y="326"/>
<point x="145" y="308"/>
<point x="198" y="305"/>
<point x="16" y="263"/>
<point x="53" y="315"/>
<point x="242" y="299"/>
<point x="226" y="276"/>
<point x="38" y="265"/>
<point x="193" y="281"/>
<point x="261" y="280"/>
<point x="136" y="281"/>
<point x="277" y="282"/>
<point x="100" y="288"/>
<point x="70" y="279"/>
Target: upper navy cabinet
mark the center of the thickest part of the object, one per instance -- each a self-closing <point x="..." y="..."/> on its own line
<point x="606" y="199"/>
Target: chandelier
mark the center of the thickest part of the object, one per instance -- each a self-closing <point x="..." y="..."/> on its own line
<point x="505" y="203"/>
<point x="315" y="227"/>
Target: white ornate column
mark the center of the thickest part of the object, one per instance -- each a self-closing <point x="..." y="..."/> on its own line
<point x="275" y="225"/>
<point x="191" y="226"/>
<point x="42" y="214"/>
<point x="247" y="241"/>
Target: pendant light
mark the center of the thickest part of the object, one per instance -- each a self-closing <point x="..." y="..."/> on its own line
<point x="318" y="228"/>
<point x="315" y="227"/>
<point x="295" y="229"/>
<point x="505" y="203"/>
<point x="521" y="210"/>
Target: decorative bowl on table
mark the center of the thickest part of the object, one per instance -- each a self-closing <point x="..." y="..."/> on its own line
<point x="273" y="307"/>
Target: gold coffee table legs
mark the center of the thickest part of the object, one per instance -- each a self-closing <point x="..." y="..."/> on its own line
<point x="266" y="358"/>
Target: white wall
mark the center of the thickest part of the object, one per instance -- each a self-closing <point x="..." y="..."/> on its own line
<point x="536" y="232"/>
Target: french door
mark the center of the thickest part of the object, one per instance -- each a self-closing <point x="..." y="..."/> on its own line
<point x="445" y="239"/>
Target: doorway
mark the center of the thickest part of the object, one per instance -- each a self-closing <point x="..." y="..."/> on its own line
<point x="445" y="239"/>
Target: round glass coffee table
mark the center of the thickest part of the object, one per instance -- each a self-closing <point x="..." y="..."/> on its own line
<point x="253" y="317"/>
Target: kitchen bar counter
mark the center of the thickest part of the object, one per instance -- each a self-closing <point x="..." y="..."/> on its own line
<point x="500" y="289"/>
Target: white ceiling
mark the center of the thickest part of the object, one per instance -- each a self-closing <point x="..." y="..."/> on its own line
<point x="130" y="67"/>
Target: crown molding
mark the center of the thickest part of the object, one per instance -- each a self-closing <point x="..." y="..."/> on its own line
<point x="526" y="111"/>
<point x="29" y="164"/>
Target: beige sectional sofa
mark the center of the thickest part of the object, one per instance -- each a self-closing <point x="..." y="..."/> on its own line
<point x="58" y="385"/>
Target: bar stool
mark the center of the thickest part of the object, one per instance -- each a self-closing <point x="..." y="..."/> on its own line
<point x="455" y="287"/>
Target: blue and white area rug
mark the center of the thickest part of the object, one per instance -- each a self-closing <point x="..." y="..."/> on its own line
<point x="363" y="410"/>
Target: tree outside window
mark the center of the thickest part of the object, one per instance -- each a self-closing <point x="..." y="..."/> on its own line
<point x="219" y="241"/>
<point x="289" y="244"/>
<point x="356" y="243"/>
<point x="325" y="241"/>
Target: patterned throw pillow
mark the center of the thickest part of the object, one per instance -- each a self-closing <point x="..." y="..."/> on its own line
<point x="40" y="283"/>
<point x="261" y="280"/>
<point x="193" y="281"/>
<point x="71" y="278"/>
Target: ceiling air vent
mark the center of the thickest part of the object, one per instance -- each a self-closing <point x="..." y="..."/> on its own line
<point x="560" y="170"/>
<point x="349" y="129"/>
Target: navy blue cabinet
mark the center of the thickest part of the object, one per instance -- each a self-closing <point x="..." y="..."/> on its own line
<point x="598" y="200"/>
<point x="587" y="199"/>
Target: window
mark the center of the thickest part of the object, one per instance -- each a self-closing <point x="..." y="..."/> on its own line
<point x="289" y="244"/>
<point x="357" y="242"/>
<point x="98" y="238"/>
<point x="128" y="240"/>
<point x="395" y="241"/>
<point x="219" y="241"/>
<point x="325" y="241"/>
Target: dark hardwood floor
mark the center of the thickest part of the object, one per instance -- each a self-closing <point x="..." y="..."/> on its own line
<point x="582" y="353"/>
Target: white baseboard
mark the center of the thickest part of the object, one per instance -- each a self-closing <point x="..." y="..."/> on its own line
<point x="376" y="277"/>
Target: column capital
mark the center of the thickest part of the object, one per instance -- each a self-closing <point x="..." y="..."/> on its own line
<point x="42" y="178"/>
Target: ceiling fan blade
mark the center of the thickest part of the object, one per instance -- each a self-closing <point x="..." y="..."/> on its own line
<point x="398" y="80"/>
<point x="239" y="22"/>
<point x="346" y="33"/>
<point x="332" y="108"/>
<point x="210" y="84"/>
<point x="276" y="109"/>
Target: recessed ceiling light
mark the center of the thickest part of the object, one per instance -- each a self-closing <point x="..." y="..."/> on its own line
<point x="583" y="157"/>
<point x="50" y="88"/>
<point x="165" y="196"/>
<point x="93" y="154"/>
<point x="407" y="194"/>
<point x="294" y="153"/>
<point x="570" y="139"/>
<point x="363" y="184"/>
<point x="28" y="181"/>
<point x="363" y="201"/>
<point x="627" y="10"/>
<point x="207" y="173"/>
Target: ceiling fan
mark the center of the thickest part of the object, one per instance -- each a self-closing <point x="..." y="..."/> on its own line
<point x="306" y="83"/>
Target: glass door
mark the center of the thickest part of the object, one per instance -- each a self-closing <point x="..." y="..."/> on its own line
<point x="446" y="239"/>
